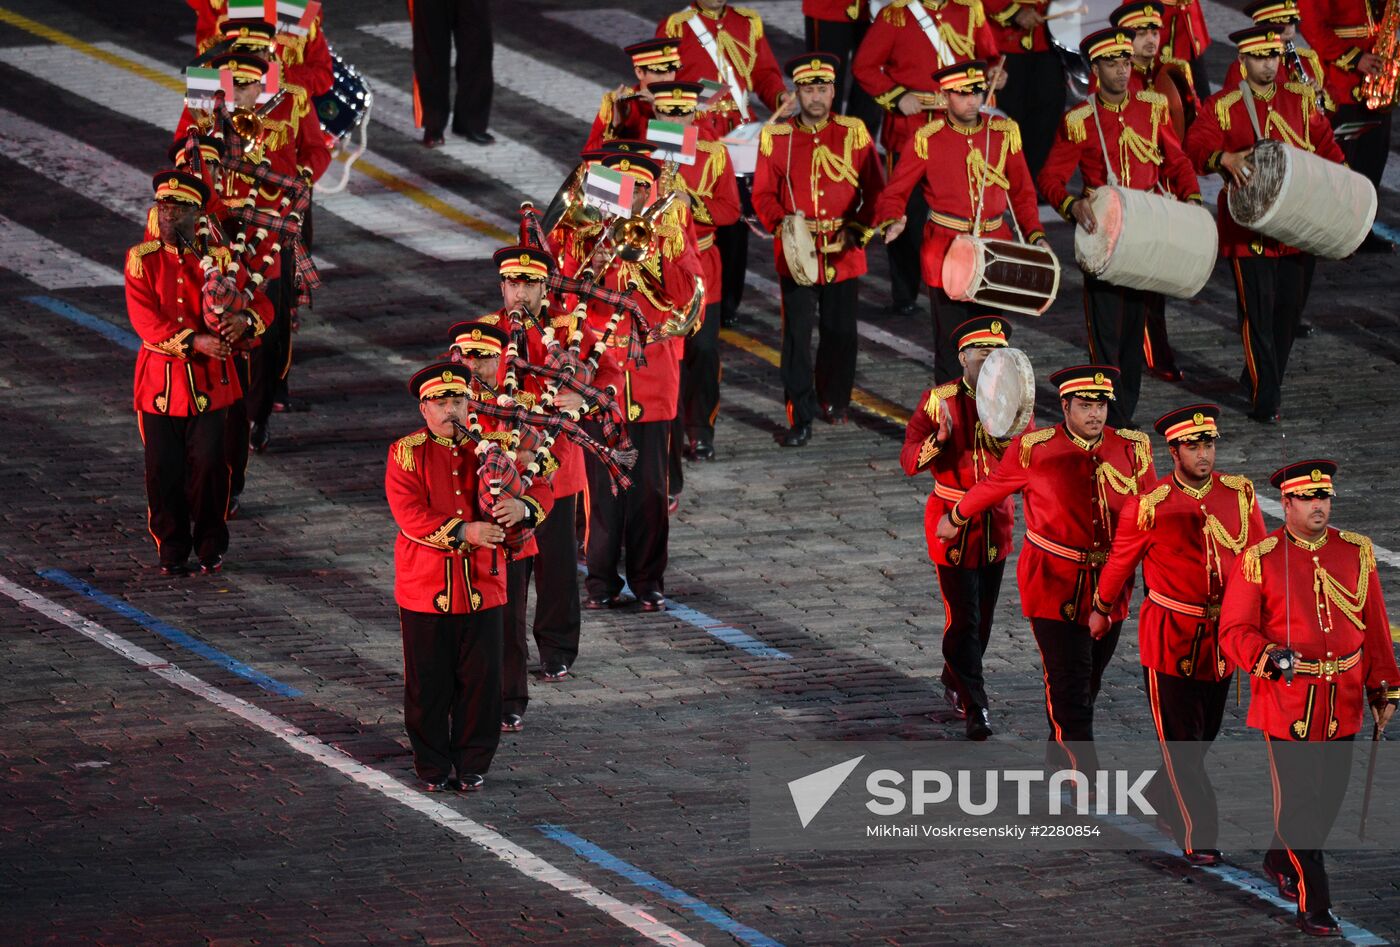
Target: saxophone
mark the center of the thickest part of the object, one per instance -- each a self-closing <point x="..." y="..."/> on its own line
<point x="1379" y="91"/>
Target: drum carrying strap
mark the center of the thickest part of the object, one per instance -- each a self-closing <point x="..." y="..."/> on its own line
<point x="940" y="45"/>
<point x="726" y="71"/>
<point x="1098" y="124"/>
<point x="1253" y="114"/>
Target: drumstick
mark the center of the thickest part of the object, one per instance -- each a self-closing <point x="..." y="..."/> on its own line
<point x="1075" y="12"/>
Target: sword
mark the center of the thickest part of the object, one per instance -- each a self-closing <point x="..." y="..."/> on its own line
<point x="1370" y="775"/>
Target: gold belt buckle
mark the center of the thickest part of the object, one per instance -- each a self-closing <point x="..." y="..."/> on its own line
<point x="1330" y="666"/>
<point x="1095" y="558"/>
<point x="1212" y="610"/>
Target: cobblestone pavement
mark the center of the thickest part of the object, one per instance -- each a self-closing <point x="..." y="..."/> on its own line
<point x="135" y="810"/>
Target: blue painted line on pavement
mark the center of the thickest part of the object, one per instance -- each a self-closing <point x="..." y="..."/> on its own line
<point x="102" y="327"/>
<point x="715" y="628"/>
<point x="1385" y="230"/>
<point x="169" y="632"/>
<point x="705" y="912"/>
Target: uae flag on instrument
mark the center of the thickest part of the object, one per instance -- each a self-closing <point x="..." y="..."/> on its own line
<point x="202" y="85"/>
<point x="709" y="92"/>
<point x="609" y="190"/>
<point x="673" y="141"/>
<point x="253" y="10"/>
<point x="272" y="82"/>
<point x="296" y="16"/>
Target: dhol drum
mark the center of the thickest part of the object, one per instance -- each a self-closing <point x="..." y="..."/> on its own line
<point x="343" y="111"/>
<point x="800" y="250"/>
<point x="1304" y="201"/>
<point x="1005" y="393"/>
<point x="1001" y="274"/>
<point x="1149" y="242"/>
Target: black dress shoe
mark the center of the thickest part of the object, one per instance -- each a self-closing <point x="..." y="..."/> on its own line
<point x="554" y="671"/>
<point x="512" y="723"/>
<point x="439" y="785"/>
<point x="258" y="437"/>
<point x="673" y="503"/>
<point x="233" y="508"/>
<point x="702" y="450"/>
<point x="433" y="139"/>
<point x="979" y="725"/>
<point x="1287" y="884"/>
<point x="211" y="566"/>
<point x="798" y="435"/>
<point x="468" y="782"/>
<point x="901" y="309"/>
<point x="1203" y="857"/>
<point x="728" y="320"/>
<point x="479" y="138"/>
<point x="610" y="601"/>
<point x="174" y="570"/>
<point x="833" y="415"/>
<point x="653" y="602"/>
<point x="1172" y="374"/>
<point x="1375" y="243"/>
<point x="950" y="694"/>
<point x="1319" y="924"/>
<point x="1303" y="330"/>
<point x="1264" y="417"/>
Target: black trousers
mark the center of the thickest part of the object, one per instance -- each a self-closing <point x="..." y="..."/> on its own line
<point x="1156" y="347"/>
<point x="271" y="362"/>
<point x="515" y="646"/>
<point x="906" y="272"/>
<point x="1186" y="714"/>
<point x="437" y="25"/>
<point x="1034" y="96"/>
<point x="676" y="465"/>
<point x="236" y="432"/>
<point x="1310" y="782"/>
<point x="1073" y="664"/>
<point x="1199" y="79"/>
<point x="700" y="377"/>
<point x="635" y="520"/>
<point x="733" y="243"/>
<point x="557" y="616"/>
<point x="1270" y="293"/>
<point x="452" y="690"/>
<point x="186" y="484"/>
<point x="842" y="38"/>
<point x="831" y="309"/>
<point x="1115" y="318"/>
<point x="1367" y="153"/>
<point x="945" y="315"/>
<point x="969" y="601"/>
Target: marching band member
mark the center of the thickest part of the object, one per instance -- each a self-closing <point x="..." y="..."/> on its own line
<point x="945" y="437"/>
<point x="840" y="27"/>
<point x="906" y="43"/>
<point x="1272" y="279"/>
<point x="479" y="346"/>
<point x="1035" y="79"/>
<point x="449" y="602"/>
<point x="438" y="25"/>
<point x="1346" y="34"/>
<point x="1185" y="40"/>
<point x="1187" y="532"/>
<point x="1145" y="152"/>
<point x="824" y="167"/>
<point x="1074" y="479"/>
<point x="961" y="146"/>
<point x="1305" y="614"/>
<point x="1301" y="65"/>
<point x="185" y="380"/>
<point x="625" y="111"/>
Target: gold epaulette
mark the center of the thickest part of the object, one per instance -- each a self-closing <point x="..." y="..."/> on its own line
<point x="856" y="132"/>
<point x="936" y="396"/>
<point x="1306" y="92"/>
<point x="1012" y="131"/>
<point x="894" y="13"/>
<point x="1249" y="565"/>
<point x="1147" y="506"/>
<point x="134" y="268"/>
<point x="677" y="20"/>
<point x="1368" y="553"/>
<point x="755" y="21"/>
<point x="605" y="109"/>
<point x="922" y="136"/>
<point x="1030" y="440"/>
<point x="1075" y="119"/>
<point x="976" y="15"/>
<point x="714" y="166"/>
<point x="1158" y="101"/>
<point x="765" y="140"/>
<point x="1142" y="447"/>
<point x="1223" y="105"/>
<point x="403" y="449"/>
<point x="1240" y="483"/>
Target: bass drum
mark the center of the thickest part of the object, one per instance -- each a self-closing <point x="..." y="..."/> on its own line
<point x="1148" y="242"/>
<point x="1005" y="393"/>
<point x="1305" y="201"/>
<point x="1068" y="22"/>
<point x="346" y="105"/>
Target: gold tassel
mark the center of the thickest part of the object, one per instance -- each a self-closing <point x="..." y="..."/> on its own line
<point x="1147" y="506"/>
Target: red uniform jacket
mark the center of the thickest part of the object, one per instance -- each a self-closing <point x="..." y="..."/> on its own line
<point x="1011" y="39"/>
<point x="739" y="39"/>
<point x="836" y="11"/>
<point x="1339" y="631"/>
<point x="306" y="60"/>
<point x="666" y="282"/>
<point x="949" y="162"/>
<point x="1187" y="541"/>
<point x="291" y="144"/>
<point x="714" y="202"/>
<point x="432" y="487"/>
<point x="569" y="479"/>
<point x="163" y="303"/>
<point x="1072" y="493"/>
<point x="1290" y="113"/>
<point x="1340" y="31"/>
<point x="1184" y="33"/>
<point x="896" y="57"/>
<point x="1139" y="139"/>
<point x="832" y="174"/>
<point x="959" y="463"/>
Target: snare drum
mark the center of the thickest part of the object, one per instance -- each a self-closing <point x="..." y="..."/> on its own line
<point x="345" y="106"/>
<point x="1148" y="242"/>
<point x="1307" y="202"/>
<point x="1001" y="274"/>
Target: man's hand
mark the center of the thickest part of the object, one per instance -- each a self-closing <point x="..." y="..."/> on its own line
<point x="214" y="346"/>
<point x="787" y="106"/>
<point x="1084" y="214"/>
<point x="1098" y="624"/>
<point x="945" y="426"/>
<point x="483" y="534"/>
<point x="683" y="197"/>
<point x="1369" y="64"/>
<point x="1382" y="710"/>
<point x="568" y="400"/>
<point x="1027" y="18"/>
<point x="234" y="325"/>
<point x="1040" y="241"/>
<point x="945" y="530"/>
<point x="893" y="231"/>
<point x="909" y="104"/>
<point x="1280" y="664"/>
<point x="1236" y="165"/>
<point x="509" y="511"/>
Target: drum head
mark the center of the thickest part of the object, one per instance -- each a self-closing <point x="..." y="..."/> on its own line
<point x="1005" y="393"/>
<point x="962" y="267"/>
<point x="1269" y="170"/>
<point x="1094" y="250"/>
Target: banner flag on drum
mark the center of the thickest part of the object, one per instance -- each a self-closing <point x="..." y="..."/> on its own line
<point x="673" y="141"/>
<point x="296" y="16"/>
<point x="201" y="85"/>
<point x="609" y="190"/>
<point x="710" y="90"/>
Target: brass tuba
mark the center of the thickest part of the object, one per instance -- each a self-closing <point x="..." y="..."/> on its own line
<point x="686" y="321"/>
<point x="568" y="207"/>
<point x="632" y="238"/>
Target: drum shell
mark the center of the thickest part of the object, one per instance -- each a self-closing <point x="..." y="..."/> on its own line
<point x="1304" y="201"/>
<point x="1149" y="242"/>
<point x="799" y="250"/>
<point x="1001" y="274"/>
<point x="343" y="108"/>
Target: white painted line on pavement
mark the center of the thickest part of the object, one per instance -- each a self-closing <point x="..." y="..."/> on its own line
<point x="515" y="856"/>
<point x="625" y="27"/>
<point x="51" y="265"/>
